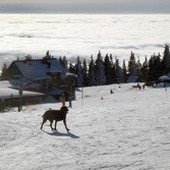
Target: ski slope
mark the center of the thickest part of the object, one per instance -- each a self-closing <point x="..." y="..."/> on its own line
<point x="127" y="130"/>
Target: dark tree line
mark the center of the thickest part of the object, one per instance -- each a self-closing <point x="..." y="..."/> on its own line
<point x="106" y="70"/>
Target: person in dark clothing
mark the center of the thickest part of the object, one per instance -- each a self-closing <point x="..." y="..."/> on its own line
<point x="62" y="99"/>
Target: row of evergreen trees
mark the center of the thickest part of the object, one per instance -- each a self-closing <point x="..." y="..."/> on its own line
<point x="106" y="70"/>
<point x="103" y="70"/>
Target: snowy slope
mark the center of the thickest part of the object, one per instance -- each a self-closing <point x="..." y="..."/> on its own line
<point x="127" y="130"/>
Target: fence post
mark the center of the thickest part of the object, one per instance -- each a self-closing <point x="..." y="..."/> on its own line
<point x="20" y="96"/>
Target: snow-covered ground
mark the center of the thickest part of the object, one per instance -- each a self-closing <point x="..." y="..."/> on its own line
<point x="127" y="130"/>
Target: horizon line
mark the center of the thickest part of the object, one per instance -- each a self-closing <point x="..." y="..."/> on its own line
<point x="152" y="13"/>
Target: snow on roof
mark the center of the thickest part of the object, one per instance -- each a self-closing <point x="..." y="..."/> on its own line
<point x="56" y="91"/>
<point x="163" y="78"/>
<point x="39" y="69"/>
<point x="6" y="91"/>
<point x="71" y="74"/>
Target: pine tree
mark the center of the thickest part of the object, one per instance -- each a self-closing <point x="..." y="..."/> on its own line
<point x="138" y="69"/>
<point x="132" y="69"/>
<point x="113" y="71"/>
<point x="108" y="70"/>
<point x="91" y="73"/>
<point x="48" y="54"/>
<point x="85" y="76"/>
<point x="79" y="73"/>
<point x="132" y="65"/>
<point x="124" y="72"/>
<point x="144" y="70"/>
<point x="100" y="70"/>
<point x="4" y="74"/>
<point x="64" y="63"/>
<point x="155" y="68"/>
<point x="166" y="60"/>
<point x="72" y="68"/>
<point x="119" y="73"/>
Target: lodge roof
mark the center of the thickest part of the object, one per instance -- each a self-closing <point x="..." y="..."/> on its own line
<point x="39" y="68"/>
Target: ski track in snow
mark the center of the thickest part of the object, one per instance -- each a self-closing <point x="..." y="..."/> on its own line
<point x="128" y="130"/>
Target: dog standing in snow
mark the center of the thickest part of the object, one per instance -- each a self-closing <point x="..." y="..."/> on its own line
<point x="57" y="115"/>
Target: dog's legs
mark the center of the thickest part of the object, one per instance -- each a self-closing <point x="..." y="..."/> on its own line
<point x="41" y="126"/>
<point x="51" y="122"/>
<point x="55" y="127"/>
<point x="65" y="124"/>
<point x="43" y="123"/>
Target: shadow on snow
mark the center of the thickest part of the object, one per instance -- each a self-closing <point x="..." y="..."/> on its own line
<point x="57" y="133"/>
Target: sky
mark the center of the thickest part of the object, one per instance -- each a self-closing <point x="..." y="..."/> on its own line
<point x="84" y="6"/>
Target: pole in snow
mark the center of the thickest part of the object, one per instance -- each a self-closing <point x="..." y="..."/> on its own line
<point x="20" y="96"/>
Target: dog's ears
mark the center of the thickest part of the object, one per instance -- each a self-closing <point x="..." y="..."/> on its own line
<point x="67" y="107"/>
<point x="64" y="108"/>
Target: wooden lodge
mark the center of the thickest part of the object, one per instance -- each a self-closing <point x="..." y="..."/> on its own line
<point x="44" y="75"/>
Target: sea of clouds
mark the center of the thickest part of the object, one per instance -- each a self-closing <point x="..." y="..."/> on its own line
<point x="82" y="34"/>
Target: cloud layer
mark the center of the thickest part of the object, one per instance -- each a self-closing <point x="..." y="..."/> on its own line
<point x="83" y="35"/>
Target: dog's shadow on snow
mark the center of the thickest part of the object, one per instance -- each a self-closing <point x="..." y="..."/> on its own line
<point x="60" y="134"/>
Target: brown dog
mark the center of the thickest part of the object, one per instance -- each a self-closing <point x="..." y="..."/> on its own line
<point x="57" y="115"/>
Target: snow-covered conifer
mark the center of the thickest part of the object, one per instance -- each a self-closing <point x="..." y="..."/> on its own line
<point x="100" y="70"/>
<point x="119" y="73"/>
<point x="166" y="60"/>
<point x="108" y="70"/>
<point x="79" y="73"/>
<point x="91" y="73"/>
<point x="124" y="72"/>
